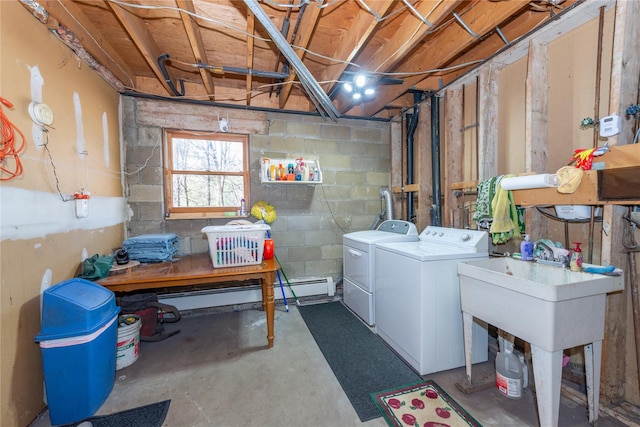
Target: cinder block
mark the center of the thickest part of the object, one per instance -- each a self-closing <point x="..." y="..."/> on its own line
<point x="151" y="210"/>
<point x="145" y="193"/>
<point x="379" y="179"/>
<point x="332" y="251"/>
<point x="320" y="237"/>
<point x="337" y="132"/>
<point x="350" y="178"/>
<point x="287" y="144"/>
<point x="370" y="135"/>
<point x="146" y="155"/>
<point x="149" y="136"/>
<point x="322" y="146"/>
<point x="150" y="175"/>
<point x="257" y="143"/>
<point x="303" y="129"/>
<point x="307" y="253"/>
<point x="322" y="268"/>
<point x="277" y="127"/>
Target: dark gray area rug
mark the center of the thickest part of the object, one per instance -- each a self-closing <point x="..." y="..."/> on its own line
<point x="152" y="415"/>
<point x="360" y="360"/>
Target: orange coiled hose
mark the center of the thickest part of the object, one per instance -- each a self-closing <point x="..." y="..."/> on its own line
<point x="8" y="150"/>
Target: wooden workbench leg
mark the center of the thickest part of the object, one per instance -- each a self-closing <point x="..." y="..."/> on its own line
<point x="269" y="305"/>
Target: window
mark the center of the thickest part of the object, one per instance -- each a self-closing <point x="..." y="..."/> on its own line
<point x="206" y="175"/>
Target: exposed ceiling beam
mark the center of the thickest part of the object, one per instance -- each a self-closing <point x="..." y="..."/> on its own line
<point x="145" y="43"/>
<point x="446" y="45"/>
<point x="512" y="31"/>
<point x="197" y="45"/>
<point x="72" y="18"/>
<point x="314" y="91"/>
<point x="251" y="26"/>
<point x="307" y="25"/>
<point x="410" y="33"/>
<point x="364" y="23"/>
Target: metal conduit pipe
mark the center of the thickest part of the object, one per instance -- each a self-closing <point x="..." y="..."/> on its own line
<point x="245" y="71"/>
<point x="436" y="207"/>
<point x="412" y="124"/>
<point x="317" y="96"/>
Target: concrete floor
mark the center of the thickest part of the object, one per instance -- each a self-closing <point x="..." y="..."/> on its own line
<point x="218" y="372"/>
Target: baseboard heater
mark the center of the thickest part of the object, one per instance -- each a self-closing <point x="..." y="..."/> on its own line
<point x="247" y="294"/>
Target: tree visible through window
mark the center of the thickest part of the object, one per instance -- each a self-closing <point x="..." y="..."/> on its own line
<point x="206" y="175"/>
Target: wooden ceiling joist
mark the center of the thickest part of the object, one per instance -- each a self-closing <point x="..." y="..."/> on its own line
<point x="197" y="45"/>
<point x="410" y="32"/>
<point x="445" y="45"/>
<point x="69" y="15"/>
<point x="251" y="27"/>
<point x="307" y="25"/>
<point x="124" y="42"/>
<point x="145" y="42"/>
<point x="364" y="24"/>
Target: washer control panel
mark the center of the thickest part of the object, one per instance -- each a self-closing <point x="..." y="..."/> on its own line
<point x="469" y="239"/>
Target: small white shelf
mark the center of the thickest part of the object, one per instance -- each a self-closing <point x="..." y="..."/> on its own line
<point x="312" y="164"/>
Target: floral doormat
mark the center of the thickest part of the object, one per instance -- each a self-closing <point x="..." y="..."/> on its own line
<point x="422" y="404"/>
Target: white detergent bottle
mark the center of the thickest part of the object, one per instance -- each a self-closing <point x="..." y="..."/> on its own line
<point x="509" y="372"/>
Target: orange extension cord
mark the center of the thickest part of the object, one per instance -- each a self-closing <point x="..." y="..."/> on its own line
<point x="8" y="145"/>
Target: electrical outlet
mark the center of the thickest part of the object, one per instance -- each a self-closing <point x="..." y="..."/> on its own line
<point x="82" y="208"/>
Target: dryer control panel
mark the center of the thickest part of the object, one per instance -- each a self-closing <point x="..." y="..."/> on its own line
<point x="399" y="227"/>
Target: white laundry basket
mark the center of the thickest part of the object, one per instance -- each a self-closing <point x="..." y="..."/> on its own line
<point x="236" y="245"/>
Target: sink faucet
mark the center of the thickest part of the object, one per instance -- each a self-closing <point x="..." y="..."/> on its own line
<point x="548" y="253"/>
<point x="543" y="254"/>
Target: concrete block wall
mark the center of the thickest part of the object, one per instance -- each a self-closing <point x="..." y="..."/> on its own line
<point x="354" y="157"/>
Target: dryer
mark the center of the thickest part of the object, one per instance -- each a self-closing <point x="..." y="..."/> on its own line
<point x="417" y="301"/>
<point x="359" y="263"/>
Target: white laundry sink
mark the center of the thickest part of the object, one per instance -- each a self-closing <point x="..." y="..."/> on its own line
<point x="554" y="307"/>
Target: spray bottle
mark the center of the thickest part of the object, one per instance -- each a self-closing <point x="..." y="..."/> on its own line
<point x="576" y="257"/>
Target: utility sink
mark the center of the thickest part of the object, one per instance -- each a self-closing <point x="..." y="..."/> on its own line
<point x="552" y="306"/>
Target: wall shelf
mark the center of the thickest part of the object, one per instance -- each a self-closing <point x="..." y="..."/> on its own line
<point x="618" y="156"/>
<point x="312" y="164"/>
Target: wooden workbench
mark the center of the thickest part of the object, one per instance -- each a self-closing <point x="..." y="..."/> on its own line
<point x="197" y="269"/>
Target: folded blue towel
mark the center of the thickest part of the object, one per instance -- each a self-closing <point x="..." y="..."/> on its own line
<point x="152" y="247"/>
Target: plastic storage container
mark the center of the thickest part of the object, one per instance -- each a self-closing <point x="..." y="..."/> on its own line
<point x="236" y="245"/>
<point x="78" y="345"/>
<point x="509" y="373"/>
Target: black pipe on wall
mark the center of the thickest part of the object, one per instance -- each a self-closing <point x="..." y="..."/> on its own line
<point x="412" y="124"/>
<point x="436" y="207"/>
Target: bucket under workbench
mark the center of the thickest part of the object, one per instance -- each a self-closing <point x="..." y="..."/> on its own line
<point x="128" y="346"/>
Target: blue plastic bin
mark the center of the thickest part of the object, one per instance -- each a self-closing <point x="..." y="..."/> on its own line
<point x="78" y="344"/>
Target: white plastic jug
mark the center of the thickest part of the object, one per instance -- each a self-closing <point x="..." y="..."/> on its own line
<point x="509" y="374"/>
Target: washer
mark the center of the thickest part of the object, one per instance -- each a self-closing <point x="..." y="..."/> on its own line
<point x="417" y="302"/>
<point x="359" y="263"/>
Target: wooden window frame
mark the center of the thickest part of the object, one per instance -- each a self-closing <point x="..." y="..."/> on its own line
<point x="173" y="212"/>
